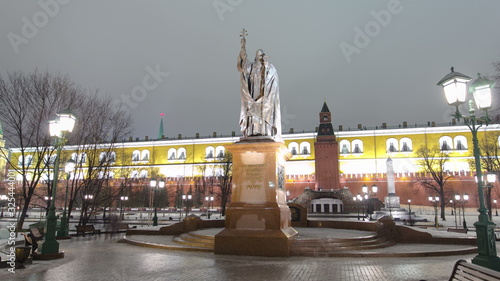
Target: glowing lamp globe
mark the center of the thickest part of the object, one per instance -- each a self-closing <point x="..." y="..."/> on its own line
<point x="455" y="87"/>
<point x="481" y="90"/>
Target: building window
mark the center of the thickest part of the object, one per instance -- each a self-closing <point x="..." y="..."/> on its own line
<point x="406" y="145"/>
<point x="460" y="143"/>
<point x="107" y="157"/>
<point x="49" y="160"/>
<point x="305" y="148"/>
<point x="27" y="161"/>
<point x="172" y="154"/>
<point x="209" y="152"/>
<point x="358" y="146"/>
<point x="145" y="155"/>
<point x="220" y="151"/>
<point x="182" y="153"/>
<point x="294" y="148"/>
<point x="392" y="145"/>
<point x="143" y="174"/>
<point x="134" y="174"/>
<point x="136" y="155"/>
<point x="345" y="147"/>
<point x="444" y="143"/>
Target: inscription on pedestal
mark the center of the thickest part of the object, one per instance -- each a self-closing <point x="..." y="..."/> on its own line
<point x="253" y="176"/>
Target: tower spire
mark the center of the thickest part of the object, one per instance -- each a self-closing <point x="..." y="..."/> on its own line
<point x="160" y="131"/>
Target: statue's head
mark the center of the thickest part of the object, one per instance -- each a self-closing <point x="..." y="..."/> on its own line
<point x="260" y="55"/>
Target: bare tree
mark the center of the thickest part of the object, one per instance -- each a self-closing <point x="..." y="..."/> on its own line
<point x="224" y="167"/>
<point x="27" y="101"/>
<point x="432" y="162"/>
<point x="490" y="162"/>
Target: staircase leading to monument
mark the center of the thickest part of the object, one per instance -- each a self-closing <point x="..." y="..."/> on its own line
<point x="334" y="247"/>
<point x="300" y="247"/>
<point x="195" y="241"/>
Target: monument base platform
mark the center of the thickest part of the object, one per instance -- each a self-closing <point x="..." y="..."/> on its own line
<point x="270" y="243"/>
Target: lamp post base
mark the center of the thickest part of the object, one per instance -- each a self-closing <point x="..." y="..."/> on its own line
<point x="486" y="246"/>
<point x="63" y="228"/>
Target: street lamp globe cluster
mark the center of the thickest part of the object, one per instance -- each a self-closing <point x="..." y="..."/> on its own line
<point x="455" y="90"/>
<point x="435" y="201"/>
<point x="155" y="184"/>
<point x="59" y="127"/>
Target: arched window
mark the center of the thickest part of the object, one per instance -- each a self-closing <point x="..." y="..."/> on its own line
<point x="219" y="151"/>
<point x="391" y="145"/>
<point x="305" y="148"/>
<point x="145" y="155"/>
<point x="143" y="174"/>
<point x="107" y="157"/>
<point x="136" y="155"/>
<point x="74" y="157"/>
<point x="209" y="152"/>
<point x="26" y="161"/>
<point x="294" y="148"/>
<point x="345" y="147"/>
<point x="181" y="152"/>
<point x="460" y="143"/>
<point x="49" y="160"/>
<point x="405" y="145"/>
<point x="357" y="146"/>
<point x="83" y="157"/>
<point x="445" y="143"/>
<point x="134" y="174"/>
<point x="172" y="154"/>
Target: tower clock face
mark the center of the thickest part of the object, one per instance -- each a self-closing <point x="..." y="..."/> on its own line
<point x="325" y="118"/>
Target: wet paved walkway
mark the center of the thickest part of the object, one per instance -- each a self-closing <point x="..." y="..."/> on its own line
<point x="104" y="258"/>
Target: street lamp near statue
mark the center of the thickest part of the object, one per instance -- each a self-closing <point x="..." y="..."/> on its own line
<point x="462" y="200"/>
<point x="186" y="199"/>
<point x="155" y="185"/>
<point x="122" y="198"/>
<point x="369" y="194"/>
<point x="59" y="128"/>
<point x="208" y="200"/>
<point x="409" y="211"/>
<point x="63" y="228"/>
<point x="435" y="201"/>
<point x="455" y="89"/>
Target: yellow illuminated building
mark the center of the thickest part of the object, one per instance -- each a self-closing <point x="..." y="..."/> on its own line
<point x="362" y="151"/>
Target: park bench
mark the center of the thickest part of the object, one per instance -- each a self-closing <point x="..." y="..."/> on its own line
<point x="464" y="270"/>
<point x="458" y="230"/>
<point x="32" y="238"/>
<point x="87" y="229"/>
<point x="116" y="227"/>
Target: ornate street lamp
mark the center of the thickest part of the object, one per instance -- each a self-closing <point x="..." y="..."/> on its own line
<point x="455" y="89"/>
<point x="59" y="128"/>
<point x="122" y="198"/>
<point x="154" y="186"/>
<point x="209" y="199"/>
<point x="409" y="211"/>
<point x="435" y="201"/>
<point x="186" y="199"/>
<point x="63" y="229"/>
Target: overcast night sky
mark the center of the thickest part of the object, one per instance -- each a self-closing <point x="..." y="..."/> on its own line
<point x="373" y="61"/>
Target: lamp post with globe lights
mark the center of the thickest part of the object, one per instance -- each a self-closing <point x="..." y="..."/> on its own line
<point x="63" y="229"/>
<point x="435" y="201"/>
<point x="455" y="89"/>
<point x="59" y="128"/>
<point x="155" y="184"/>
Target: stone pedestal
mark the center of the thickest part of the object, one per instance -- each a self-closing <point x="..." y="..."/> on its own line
<point x="258" y="220"/>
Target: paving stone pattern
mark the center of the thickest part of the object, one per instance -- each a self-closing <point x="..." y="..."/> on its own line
<point x="105" y="258"/>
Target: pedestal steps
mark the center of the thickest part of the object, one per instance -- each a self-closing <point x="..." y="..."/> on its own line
<point x="195" y="240"/>
<point x="326" y="247"/>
